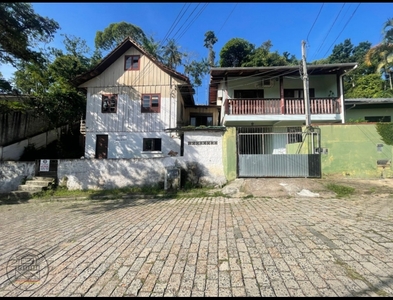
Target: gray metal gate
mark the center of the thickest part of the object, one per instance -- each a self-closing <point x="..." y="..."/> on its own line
<point x="278" y="152"/>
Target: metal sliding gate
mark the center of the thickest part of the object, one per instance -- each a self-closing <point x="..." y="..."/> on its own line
<point x="278" y="152"/>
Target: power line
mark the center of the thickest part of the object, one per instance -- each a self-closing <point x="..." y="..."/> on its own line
<point x="227" y="18"/>
<point x="314" y="22"/>
<point x="329" y="30"/>
<point x="193" y="20"/>
<point x="343" y="28"/>
<point x="177" y="20"/>
<point x="186" y="20"/>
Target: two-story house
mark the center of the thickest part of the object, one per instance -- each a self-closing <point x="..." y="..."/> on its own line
<point x="265" y="107"/>
<point x="131" y="99"/>
<point x="137" y="108"/>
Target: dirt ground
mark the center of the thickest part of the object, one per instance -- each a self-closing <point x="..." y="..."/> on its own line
<point x="314" y="187"/>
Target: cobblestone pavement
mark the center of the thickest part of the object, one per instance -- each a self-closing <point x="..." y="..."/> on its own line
<point x="214" y="246"/>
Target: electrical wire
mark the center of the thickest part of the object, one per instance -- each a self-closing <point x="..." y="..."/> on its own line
<point x="343" y="28"/>
<point x="334" y="22"/>
<point x="314" y="22"/>
<point x="227" y="18"/>
<point x="177" y="20"/>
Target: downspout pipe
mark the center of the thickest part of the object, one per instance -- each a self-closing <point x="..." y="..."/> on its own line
<point x="342" y="93"/>
<point x="353" y="106"/>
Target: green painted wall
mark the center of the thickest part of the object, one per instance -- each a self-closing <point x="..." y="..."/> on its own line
<point x="229" y="153"/>
<point x="356" y="114"/>
<point x="352" y="151"/>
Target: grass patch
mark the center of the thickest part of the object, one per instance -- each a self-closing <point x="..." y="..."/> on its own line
<point x="354" y="275"/>
<point x="119" y="192"/>
<point x="248" y="196"/>
<point x="340" y="190"/>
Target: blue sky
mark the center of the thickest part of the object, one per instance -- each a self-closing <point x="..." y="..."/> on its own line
<point x="285" y="24"/>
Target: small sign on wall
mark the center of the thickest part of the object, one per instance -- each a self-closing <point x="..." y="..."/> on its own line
<point x="44" y="165"/>
<point x="203" y="143"/>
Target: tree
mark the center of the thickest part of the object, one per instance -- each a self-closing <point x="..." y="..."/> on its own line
<point x="235" y="52"/>
<point x="196" y="70"/>
<point x="5" y="86"/>
<point x="366" y="86"/>
<point x="172" y="56"/>
<point x="55" y="97"/>
<point x="20" y="30"/>
<point x="154" y="48"/>
<point x="210" y="40"/>
<point x="290" y="58"/>
<point x="115" y="33"/>
<point x="383" y="53"/>
<point x="342" y="53"/>
<point x="262" y="57"/>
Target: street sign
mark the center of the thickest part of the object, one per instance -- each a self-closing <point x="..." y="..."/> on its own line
<point x="44" y="165"/>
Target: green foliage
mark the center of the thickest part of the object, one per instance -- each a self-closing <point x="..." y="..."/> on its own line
<point x="196" y="70"/>
<point x="365" y="86"/>
<point x="360" y="120"/>
<point x="7" y="105"/>
<point x="56" y="98"/>
<point x="240" y="53"/>
<point x="210" y="40"/>
<point x="20" y="29"/>
<point x="262" y="57"/>
<point x="341" y="190"/>
<point x="385" y="131"/>
<point x="235" y="52"/>
<point x="382" y="54"/>
<point x="153" y="48"/>
<point x="5" y="86"/>
<point x="342" y="53"/>
<point x="290" y="58"/>
<point x="115" y="33"/>
<point x="172" y="57"/>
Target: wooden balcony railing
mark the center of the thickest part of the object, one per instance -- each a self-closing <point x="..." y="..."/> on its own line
<point x="273" y="106"/>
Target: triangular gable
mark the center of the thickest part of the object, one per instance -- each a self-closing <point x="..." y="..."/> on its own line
<point x="118" y="52"/>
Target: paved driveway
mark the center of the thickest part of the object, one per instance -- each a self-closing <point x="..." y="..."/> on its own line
<point x="287" y="246"/>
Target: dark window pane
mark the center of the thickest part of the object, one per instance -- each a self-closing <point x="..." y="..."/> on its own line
<point x="151" y="144"/>
<point x="109" y="103"/>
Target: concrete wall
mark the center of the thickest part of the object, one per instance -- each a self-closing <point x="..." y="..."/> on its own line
<point x="14" y="151"/>
<point x="12" y="174"/>
<point x="17" y="126"/>
<point x="203" y="160"/>
<point x="82" y="174"/>
<point x="130" y="144"/>
<point x="229" y="153"/>
<point x="205" y="148"/>
<point x="356" y="114"/>
<point x="353" y="150"/>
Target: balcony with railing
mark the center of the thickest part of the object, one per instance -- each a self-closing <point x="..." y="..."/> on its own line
<point x="274" y="106"/>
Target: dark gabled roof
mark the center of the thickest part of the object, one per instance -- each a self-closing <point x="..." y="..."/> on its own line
<point x="218" y="74"/>
<point x="186" y="89"/>
<point x="363" y="101"/>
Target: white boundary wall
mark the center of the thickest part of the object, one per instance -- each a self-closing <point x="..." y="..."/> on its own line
<point x="202" y="150"/>
<point x="13" y="173"/>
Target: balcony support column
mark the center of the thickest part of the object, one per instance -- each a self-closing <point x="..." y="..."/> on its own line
<point x="282" y="100"/>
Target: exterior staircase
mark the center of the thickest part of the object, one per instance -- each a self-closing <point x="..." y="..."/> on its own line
<point x="32" y="186"/>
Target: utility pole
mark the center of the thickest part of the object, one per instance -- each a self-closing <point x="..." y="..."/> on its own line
<point x="305" y="86"/>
